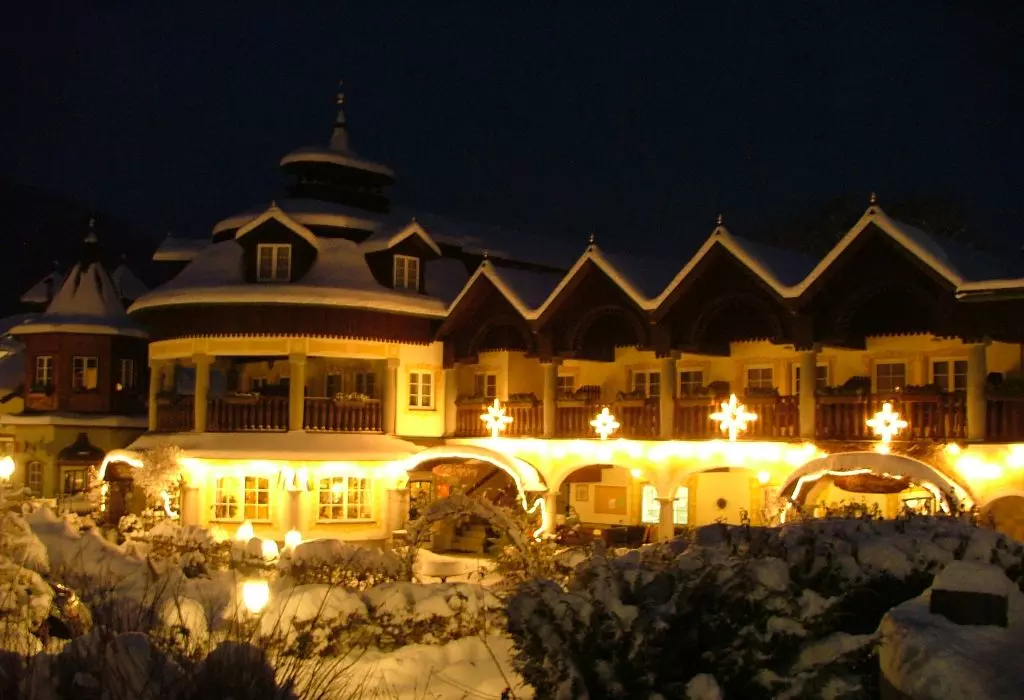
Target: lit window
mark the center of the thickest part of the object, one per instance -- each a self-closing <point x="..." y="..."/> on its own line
<point x="951" y="375"/>
<point x="44" y="371"/>
<point x="566" y="384"/>
<point x="257" y="498"/>
<point x="421" y="390"/>
<point x="126" y="375"/>
<point x="274" y="262"/>
<point x="690" y="382"/>
<point x="34" y="477"/>
<point x="344" y="498"/>
<point x="820" y="378"/>
<point x="75" y="481"/>
<point x="651" y="509"/>
<point x="485" y="385"/>
<point x="85" y="373"/>
<point x="890" y="376"/>
<point x="366" y="384"/>
<point x="407" y="272"/>
<point x="760" y="378"/>
<point x="647" y="383"/>
<point x="225" y="498"/>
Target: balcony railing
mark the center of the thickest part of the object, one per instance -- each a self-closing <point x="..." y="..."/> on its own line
<point x="636" y="419"/>
<point x="572" y="419"/>
<point x="243" y="414"/>
<point x="175" y="415"/>
<point x="1004" y="418"/>
<point x="321" y="414"/>
<point x="527" y="420"/>
<point x="928" y="416"/>
<point x="777" y="417"/>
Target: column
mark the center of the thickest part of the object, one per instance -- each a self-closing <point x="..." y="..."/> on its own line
<point x="155" y="368"/>
<point x="295" y="510"/>
<point x="390" y="405"/>
<point x="666" y="526"/>
<point x="202" y="391"/>
<point x="550" y="397"/>
<point x="667" y="398"/>
<point x="451" y="396"/>
<point x="551" y="506"/>
<point x="977" y="407"/>
<point x="296" y="390"/>
<point x="808" y="405"/>
<point x="190" y="498"/>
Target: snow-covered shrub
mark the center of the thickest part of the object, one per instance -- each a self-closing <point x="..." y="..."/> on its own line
<point x="160" y="474"/>
<point x="338" y="563"/>
<point x="770" y="613"/>
<point x="192" y="548"/>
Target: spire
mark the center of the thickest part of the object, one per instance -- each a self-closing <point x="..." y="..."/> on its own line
<point x="718" y="221"/>
<point x="873" y="199"/>
<point x="590" y="239"/>
<point x="339" y="137"/>
<point x="91" y="236"/>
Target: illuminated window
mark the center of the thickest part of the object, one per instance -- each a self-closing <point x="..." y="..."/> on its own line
<point x="34" y="477"/>
<point x="651" y="509"/>
<point x="225" y="498"/>
<point x="951" y="375"/>
<point x="690" y="382"/>
<point x="421" y="390"/>
<point x="344" y="498"/>
<point x="126" y="375"/>
<point x="566" y="384"/>
<point x="485" y="385"/>
<point x="75" y="481"/>
<point x="273" y="262"/>
<point x="647" y="383"/>
<point x="44" y="371"/>
<point x="257" y="498"/>
<point x="820" y="378"/>
<point x="407" y="272"/>
<point x="85" y="372"/>
<point x="890" y="376"/>
<point x="760" y="378"/>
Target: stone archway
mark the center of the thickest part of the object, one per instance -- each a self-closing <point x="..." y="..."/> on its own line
<point x="527" y="479"/>
<point x="899" y="470"/>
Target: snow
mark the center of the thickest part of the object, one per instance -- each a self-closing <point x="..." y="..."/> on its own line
<point x="12" y="372"/>
<point x="928" y="657"/>
<point x="338" y="277"/>
<point x="530" y="287"/>
<point x="772" y="573"/>
<point x="127" y="284"/>
<point x="316" y="154"/>
<point x="308" y="212"/>
<point x="42" y="291"/>
<point x="649" y="275"/>
<point x="324" y="603"/>
<point x="703" y="686"/>
<point x="445" y="278"/>
<point x="384" y="239"/>
<point x="275" y="213"/>
<point x="974" y="577"/>
<point x="284" y="446"/>
<point x="174" y="249"/>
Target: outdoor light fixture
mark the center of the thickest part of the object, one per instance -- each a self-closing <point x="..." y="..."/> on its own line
<point x="292" y="539"/>
<point x="6" y="467"/>
<point x="495" y="419"/>
<point x="245" y="532"/>
<point x="255" y="594"/>
<point x="733" y="417"/>
<point x="886" y="424"/>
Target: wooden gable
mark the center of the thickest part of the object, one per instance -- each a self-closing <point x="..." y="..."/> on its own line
<point x="303" y="254"/>
<point x="382" y="262"/>
<point x="484" y="320"/>
<point x="720" y="301"/>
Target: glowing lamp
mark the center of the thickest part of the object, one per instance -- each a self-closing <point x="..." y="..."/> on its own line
<point x="604" y="424"/>
<point x="255" y="594"/>
<point x="268" y="548"/>
<point x="292" y="539"/>
<point x="245" y="532"/>
<point x="886" y="423"/>
<point x="495" y="419"/>
<point x="764" y="477"/>
<point x="6" y="467"/>
<point x="636" y="473"/>
<point x="733" y="417"/>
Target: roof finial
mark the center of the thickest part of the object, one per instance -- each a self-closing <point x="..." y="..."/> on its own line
<point x="590" y="238"/>
<point x="873" y="200"/>
<point x="273" y="204"/>
<point x="339" y="137"/>
<point x="91" y="236"/>
<point x="718" y="221"/>
<point x="487" y="255"/>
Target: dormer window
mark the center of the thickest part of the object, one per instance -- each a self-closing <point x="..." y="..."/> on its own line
<point x="407" y="272"/>
<point x="273" y="262"/>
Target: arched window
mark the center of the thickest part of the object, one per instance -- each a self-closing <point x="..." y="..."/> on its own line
<point x="651" y="509"/>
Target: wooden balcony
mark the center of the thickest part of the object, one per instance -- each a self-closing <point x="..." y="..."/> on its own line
<point x="245" y="414"/>
<point x="637" y="419"/>
<point x="572" y="419"/>
<point x="175" y="415"/>
<point x="928" y="416"/>
<point x="778" y="417"/>
<point x="1004" y="418"/>
<point x="323" y="414"/>
<point x="527" y="420"/>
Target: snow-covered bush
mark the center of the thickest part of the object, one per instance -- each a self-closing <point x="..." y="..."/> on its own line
<point x="160" y="474"/>
<point x="192" y="548"/>
<point x="770" y="613"/>
<point x="338" y="563"/>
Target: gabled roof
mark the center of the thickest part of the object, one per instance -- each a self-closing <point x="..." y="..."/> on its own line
<point x="128" y="285"/>
<point x="594" y="255"/>
<point x="277" y="214"/>
<point x="385" y="239"/>
<point x="175" y="249"/>
<point x="317" y="154"/>
<point x="42" y="291"/>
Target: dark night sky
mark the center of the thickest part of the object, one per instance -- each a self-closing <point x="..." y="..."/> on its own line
<point x="640" y="122"/>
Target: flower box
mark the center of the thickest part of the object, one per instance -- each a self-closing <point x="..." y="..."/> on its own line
<point x="241" y="399"/>
<point x="568" y="403"/>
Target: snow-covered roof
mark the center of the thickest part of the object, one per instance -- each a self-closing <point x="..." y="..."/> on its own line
<point x="71" y="419"/>
<point x="309" y="212"/>
<point x="275" y="213"/>
<point x="445" y="278"/>
<point x="383" y="239"/>
<point x="292" y="446"/>
<point x="174" y="249"/>
<point x="87" y="302"/>
<point x="128" y="285"/>
<point x="12" y="372"/>
<point x="531" y="287"/>
<point x="339" y="277"/>
<point x="317" y="154"/>
<point x="42" y="291"/>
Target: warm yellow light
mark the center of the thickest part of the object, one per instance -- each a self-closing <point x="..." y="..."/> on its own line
<point x="495" y="419"/>
<point x="764" y="477"/>
<point x="604" y="423"/>
<point x="166" y="497"/>
<point x="733" y="417"/>
<point x="6" y="467"/>
<point x="337" y="488"/>
<point x="953" y="449"/>
<point x="255" y="594"/>
<point x="886" y="424"/>
<point x="268" y="548"/>
<point x="637" y="473"/>
<point x="976" y="469"/>
<point x="292" y="539"/>
<point x="245" y="532"/>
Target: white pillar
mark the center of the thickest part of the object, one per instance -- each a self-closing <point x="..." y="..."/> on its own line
<point x="155" y="368"/>
<point x="551" y="506"/>
<point x="666" y="526"/>
<point x="667" y="399"/>
<point x="202" y="390"/>
<point x="296" y="390"/>
<point x="451" y="396"/>
<point x="550" y="399"/>
<point x="190" y="498"/>
<point x="808" y="404"/>
<point x="390" y="404"/>
<point x="398" y="509"/>
<point x="977" y="406"/>
<point x="294" y="521"/>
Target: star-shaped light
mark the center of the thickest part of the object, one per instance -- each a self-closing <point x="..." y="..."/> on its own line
<point x="604" y="423"/>
<point x="733" y="417"/>
<point x="886" y="423"/>
<point x="495" y="419"/>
